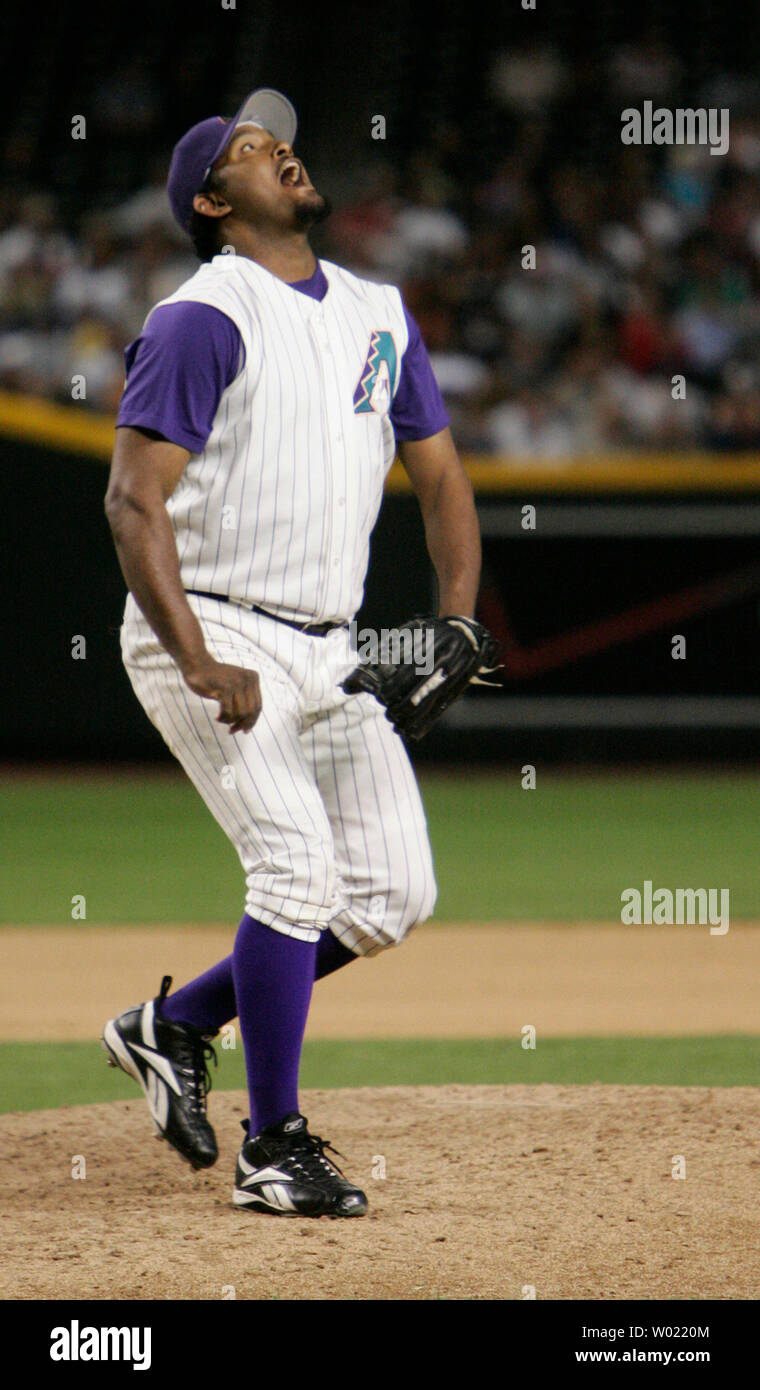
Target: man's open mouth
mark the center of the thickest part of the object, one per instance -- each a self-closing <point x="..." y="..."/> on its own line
<point x="291" y="172"/>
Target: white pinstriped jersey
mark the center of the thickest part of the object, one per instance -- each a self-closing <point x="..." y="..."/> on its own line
<point x="288" y="454"/>
<point x="279" y="506"/>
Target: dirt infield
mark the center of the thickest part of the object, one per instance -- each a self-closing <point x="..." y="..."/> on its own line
<point x="60" y="983"/>
<point x="487" y="1190"/>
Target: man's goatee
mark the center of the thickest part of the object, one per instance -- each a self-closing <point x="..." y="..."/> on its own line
<point x="311" y="214"/>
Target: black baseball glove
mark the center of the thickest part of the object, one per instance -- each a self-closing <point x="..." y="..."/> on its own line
<point x="422" y="667"/>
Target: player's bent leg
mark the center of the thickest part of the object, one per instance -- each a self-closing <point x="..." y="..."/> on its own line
<point x="382" y="848"/>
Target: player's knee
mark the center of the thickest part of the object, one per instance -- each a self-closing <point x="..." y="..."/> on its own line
<point x="422" y="899"/>
<point x="410" y="901"/>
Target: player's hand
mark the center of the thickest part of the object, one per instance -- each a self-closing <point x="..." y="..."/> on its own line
<point x="236" y="689"/>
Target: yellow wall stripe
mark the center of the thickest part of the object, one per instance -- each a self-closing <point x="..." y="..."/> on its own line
<point x="78" y="431"/>
<point x="83" y="432"/>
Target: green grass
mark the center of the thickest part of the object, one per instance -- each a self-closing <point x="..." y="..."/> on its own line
<point x="566" y="850"/>
<point x="36" y="1076"/>
<point x="146" y="849"/>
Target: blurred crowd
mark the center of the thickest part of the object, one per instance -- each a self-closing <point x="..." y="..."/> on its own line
<point x="646" y="264"/>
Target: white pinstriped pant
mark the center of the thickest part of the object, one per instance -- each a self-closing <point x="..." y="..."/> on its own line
<point x="319" y="798"/>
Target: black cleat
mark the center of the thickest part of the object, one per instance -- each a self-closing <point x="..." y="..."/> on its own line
<point x="170" y="1061"/>
<point x="284" y="1170"/>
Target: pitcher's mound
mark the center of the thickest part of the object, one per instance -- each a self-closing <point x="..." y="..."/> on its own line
<point x="475" y="1192"/>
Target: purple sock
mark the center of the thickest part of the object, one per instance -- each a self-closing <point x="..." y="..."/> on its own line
<point x="209" y="1000"/>
<point x="331" y="955"/>
<point x="273" y="976"/>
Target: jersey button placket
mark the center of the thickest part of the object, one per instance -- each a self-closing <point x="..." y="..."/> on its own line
<point x="327" y="371"/>
<point x="335" y="387"/>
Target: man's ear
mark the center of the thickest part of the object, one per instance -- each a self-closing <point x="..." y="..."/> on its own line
<point x="211" y="205"/>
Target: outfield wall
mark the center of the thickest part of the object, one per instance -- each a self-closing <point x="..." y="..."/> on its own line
<point x="587" y="594"/>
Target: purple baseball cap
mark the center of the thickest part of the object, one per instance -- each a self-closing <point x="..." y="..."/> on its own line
<point x="202" y="145"/>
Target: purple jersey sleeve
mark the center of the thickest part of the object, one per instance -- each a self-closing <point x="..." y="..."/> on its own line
<point x="418" y="410"/>
<point x="177" y="370"/>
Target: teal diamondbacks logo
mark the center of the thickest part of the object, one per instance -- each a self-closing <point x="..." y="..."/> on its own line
<point x="375" y="389"/>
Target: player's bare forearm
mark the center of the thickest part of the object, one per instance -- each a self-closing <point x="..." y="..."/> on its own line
<point x="453" y="541"/>
<point x="144" y="473"/>
<point x="147" y="553"/>
<point x="451" y="524"/>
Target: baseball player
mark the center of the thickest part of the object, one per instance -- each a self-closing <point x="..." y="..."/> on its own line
<point x="264" y="403"/>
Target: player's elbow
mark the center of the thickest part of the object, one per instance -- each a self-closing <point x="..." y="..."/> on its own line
<point x="112" y="499"/>
<point x="121" y="503"/>
<point x="114" y="504"/>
